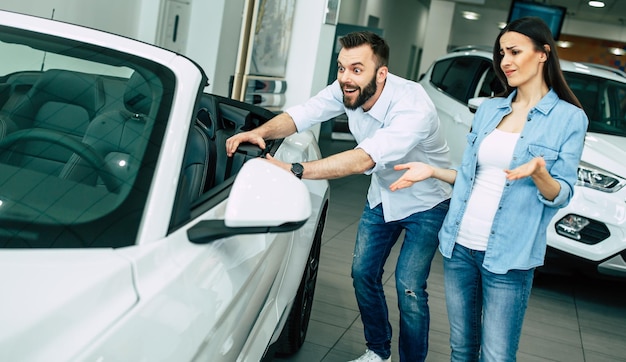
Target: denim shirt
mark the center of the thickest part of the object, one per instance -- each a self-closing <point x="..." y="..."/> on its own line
<point x="555" y="130"/>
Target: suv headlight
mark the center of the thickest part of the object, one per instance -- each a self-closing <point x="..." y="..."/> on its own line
<point x="598" y="179"/>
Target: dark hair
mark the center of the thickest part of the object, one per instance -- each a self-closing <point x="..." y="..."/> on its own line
<point x="378" y="44"/>
<point x="539" y="33"/>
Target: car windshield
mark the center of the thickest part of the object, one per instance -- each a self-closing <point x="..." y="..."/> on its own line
<point x="603" y="100"/>
<point x="80" y="131"/>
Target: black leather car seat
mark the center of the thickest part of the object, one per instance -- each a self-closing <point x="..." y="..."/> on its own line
<point x="60" y="101"/>
<point x="118" y="136"/>
<point x="198" y="168"/>
<point x="195" y="169"/>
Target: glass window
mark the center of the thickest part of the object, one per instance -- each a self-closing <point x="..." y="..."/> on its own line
<point x="82" y="127"/>
<point x="603" y="101"/>
<point x="489" y="85"/>
<point x="458" y="77"/>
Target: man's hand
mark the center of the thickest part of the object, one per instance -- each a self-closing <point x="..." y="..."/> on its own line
<point x="284" y="165"/>
<point x="251" y="137"/>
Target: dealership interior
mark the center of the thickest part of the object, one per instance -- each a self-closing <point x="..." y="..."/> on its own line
<point x="571" y="317"/>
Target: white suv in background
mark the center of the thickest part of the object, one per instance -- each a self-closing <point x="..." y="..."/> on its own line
<point x="589" y="235"/>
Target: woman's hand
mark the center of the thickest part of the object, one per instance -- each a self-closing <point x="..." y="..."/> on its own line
<point x="537" y="171"/>
<point x="416" y="171"/>
<point x="530" y="168"/>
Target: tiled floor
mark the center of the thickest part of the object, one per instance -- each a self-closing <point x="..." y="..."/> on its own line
<point x="569" y="319"/>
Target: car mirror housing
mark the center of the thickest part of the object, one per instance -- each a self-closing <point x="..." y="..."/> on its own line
<point x="474" y="103"/>
<point x="264" y="198"/>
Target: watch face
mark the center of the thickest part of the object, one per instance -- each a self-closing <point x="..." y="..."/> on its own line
<point x="297" y="169"/>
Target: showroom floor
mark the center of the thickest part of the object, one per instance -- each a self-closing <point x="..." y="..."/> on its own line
<point x="568" y="319"/>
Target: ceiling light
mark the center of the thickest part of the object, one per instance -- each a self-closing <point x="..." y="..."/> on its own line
<point x="470" y="15"/>
<point x="596" y="4"/>
<point x="617" y="51"/>
<point x="564" y="44"/>
<point x="501" y="25"/>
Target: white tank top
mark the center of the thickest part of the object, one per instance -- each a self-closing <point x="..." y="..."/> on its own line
<point x="494" y="156"/>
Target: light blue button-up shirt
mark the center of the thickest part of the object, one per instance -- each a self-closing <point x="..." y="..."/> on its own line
<point x="554" y="130"/>
<point x="402" y="126"/>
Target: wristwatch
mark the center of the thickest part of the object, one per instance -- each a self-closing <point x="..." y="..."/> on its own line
<point x="297" y="169"/>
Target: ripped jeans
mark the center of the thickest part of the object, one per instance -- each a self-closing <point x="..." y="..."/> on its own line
<point x="374" y="241"/>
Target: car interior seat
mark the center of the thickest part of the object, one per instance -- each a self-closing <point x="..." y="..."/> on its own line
<point x="116" y="136"/>
<point x="229" y="118"/>
<point x="197" y="169"/>
<point x="59" y="102"/>
<point x="12" y="91"/>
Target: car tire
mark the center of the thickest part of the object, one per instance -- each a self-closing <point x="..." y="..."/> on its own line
<point x="294" y="332"/>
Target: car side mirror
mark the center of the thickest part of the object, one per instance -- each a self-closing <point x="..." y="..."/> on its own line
<point x="264" y="198"/>
<point x="474" y="103"/>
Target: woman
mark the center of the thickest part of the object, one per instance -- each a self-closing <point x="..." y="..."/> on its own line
<point x="518" y="168"/>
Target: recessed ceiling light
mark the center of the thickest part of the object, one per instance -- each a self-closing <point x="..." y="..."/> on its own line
<point x="596" y="4"/>
<point x="564" y="44"/>
<point x="617" y="51"/>
<point x="470" y="15"/>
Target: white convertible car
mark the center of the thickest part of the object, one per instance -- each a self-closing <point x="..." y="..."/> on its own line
<point x="126" y="233"/>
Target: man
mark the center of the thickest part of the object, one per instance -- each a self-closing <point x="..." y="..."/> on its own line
<point x="393" y="121"/>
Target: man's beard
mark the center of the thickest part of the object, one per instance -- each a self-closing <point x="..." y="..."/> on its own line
<point x="364" y="95"/>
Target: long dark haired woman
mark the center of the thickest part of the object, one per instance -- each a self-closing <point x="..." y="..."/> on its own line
<point x="518" y="168"/>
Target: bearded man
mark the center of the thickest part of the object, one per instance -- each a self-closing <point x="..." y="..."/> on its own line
<point x="393" y="121"/>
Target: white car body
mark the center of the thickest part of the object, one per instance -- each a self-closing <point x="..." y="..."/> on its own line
<point x="173" y="291"/>
<point x="468" y="82"/>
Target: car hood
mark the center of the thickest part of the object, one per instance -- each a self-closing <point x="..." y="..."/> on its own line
<point x="55" y="301"/>
<point x="606" y="152"/>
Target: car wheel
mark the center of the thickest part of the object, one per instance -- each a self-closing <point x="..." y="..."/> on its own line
<point x="294" y="332"/>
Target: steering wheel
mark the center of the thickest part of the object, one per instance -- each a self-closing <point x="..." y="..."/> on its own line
<point x="85" y="151"/>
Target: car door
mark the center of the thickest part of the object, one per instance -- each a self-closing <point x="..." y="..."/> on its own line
<point x="101" y="229"/>
<point x="203" y="288"/>
<point x="453" y="81"/>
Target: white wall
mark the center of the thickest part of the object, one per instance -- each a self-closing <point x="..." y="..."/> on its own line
<point x="594" y="30"/>
<point x="403" y="22"/>
<point x="475" y="32"/>
<point x="310" y="51"/>
<point x="212" y="38"/>
<point x="485" y="30"/>
<point x="115" y="16"/>
<point x="437" y="31"/>
<point x="349" y="12"/>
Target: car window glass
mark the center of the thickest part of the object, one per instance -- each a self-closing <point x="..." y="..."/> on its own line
<point x="459" y="76"/>
<point x="79" y="140"/>
<point x="489" y="85"/>
<point x="603" y="101"/>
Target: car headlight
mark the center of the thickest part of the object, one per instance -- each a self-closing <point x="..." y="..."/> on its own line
<point x="598" y="179"/>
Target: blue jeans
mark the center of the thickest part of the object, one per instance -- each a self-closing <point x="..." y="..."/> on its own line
<point x="374" y="241"/>
<point x="485" y="310"/>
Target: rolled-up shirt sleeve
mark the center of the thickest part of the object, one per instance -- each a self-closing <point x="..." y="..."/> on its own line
<point x="325" y="105"/>
<point x="565" y="168"/>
